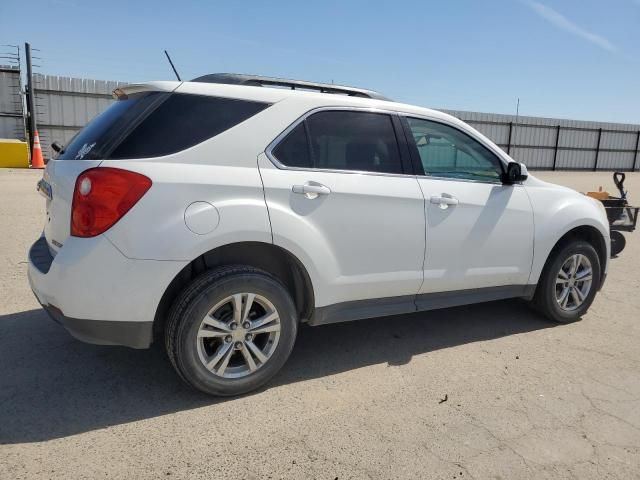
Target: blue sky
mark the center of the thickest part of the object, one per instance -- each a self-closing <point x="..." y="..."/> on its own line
<point x="570" y="59"/>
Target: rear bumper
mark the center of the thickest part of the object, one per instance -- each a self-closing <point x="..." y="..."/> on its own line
<point x="99" y="295"/>
<point x="103" y="332"/>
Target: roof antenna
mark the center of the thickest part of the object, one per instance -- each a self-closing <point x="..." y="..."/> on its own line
<point x="174" y="68"/>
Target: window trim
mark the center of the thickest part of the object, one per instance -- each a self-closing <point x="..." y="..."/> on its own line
<point x="417" y="162"/>
<point x="405" y="161"/>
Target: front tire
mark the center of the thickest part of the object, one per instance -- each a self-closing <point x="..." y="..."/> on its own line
<point x="231" y="330"/>
<point x="569" y="282"/>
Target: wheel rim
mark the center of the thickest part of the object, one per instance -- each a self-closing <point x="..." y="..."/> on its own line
<point x="573" y="282"/>
<point x="238" y="335"/>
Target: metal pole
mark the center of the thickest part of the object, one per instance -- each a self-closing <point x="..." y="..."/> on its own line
<point x="635" y="156"/>
<point x="509" y="141"/>
<point x="31" y="111"/>
<point x="555" y="151"/>
<point x="515" y="140"/>
<point x="595" y="165"/>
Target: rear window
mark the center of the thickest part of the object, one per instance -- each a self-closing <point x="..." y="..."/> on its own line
<point x="101" y="134"/>
<point x="155" y="124"/>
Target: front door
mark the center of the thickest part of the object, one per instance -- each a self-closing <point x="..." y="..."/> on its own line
<point x="479" y="232"/>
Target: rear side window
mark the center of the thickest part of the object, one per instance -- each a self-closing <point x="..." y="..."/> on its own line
<point x="183" y="121"/>
<point x="342" y="140"/>
<point x="362" y="141"/>
<point x="154" y="124"/>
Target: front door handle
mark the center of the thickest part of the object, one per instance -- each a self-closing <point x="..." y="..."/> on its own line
<point x="444" y="200"/>
<point x="311" y="190"/>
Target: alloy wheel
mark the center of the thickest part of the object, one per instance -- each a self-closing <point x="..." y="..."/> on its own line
<point x="573" y="282"/>
<point x="238" y="335"/>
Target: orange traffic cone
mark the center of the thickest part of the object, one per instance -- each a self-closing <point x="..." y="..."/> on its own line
<point x="36" y="155"/>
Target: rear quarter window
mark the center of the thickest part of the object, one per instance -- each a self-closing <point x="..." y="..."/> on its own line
<point x="183" y="121"/>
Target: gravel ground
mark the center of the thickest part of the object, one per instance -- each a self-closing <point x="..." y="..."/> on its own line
<point x="524" y="398"/>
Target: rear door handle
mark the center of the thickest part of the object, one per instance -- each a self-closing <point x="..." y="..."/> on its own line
<point x="444" y="200"/>
<point x="311" y="190"/>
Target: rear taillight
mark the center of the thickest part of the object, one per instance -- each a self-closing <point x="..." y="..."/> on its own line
<point x="102" y="196"/>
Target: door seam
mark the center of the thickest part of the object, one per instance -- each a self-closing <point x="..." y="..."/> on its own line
<point x="424" y="250"/>
<point x="264" y="196"/>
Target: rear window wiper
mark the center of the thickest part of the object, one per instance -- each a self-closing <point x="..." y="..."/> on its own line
<point x="58" y="147"/>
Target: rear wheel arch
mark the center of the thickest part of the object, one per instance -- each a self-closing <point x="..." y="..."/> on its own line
<point x="270" y="258"/>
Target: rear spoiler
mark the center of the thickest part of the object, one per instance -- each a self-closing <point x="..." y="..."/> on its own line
<point x="126" y="90"/>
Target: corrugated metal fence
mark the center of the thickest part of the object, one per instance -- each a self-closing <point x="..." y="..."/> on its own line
<point x="11" y="112"/>
<point x="550" y="143"/>
<point x="64" y="105"/>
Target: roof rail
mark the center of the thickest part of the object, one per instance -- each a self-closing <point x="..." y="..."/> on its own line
<point x="258" y="81"/>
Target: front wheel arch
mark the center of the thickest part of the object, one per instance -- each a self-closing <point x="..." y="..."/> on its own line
<point x="589" y="234"/>
<point x="551" y="284"/>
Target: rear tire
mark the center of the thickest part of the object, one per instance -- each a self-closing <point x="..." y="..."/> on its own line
<point x="568" y="283"/>
<point x="231" y="330"/>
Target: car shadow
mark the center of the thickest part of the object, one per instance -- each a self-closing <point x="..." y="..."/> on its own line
<point x="53" y="386"/>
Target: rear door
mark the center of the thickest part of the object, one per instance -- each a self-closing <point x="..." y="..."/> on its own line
<point x="342" y="197"/>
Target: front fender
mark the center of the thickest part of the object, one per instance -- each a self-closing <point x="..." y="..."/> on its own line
<point x="557" y="211"/>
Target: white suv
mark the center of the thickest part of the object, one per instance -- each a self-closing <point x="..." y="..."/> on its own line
<point x="221" y="213"/>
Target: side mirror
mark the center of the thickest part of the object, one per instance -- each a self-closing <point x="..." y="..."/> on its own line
<point x="516" y="172"/>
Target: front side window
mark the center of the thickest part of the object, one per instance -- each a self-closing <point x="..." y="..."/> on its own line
<point x="342" y="140"/>
<point x="447" y="152"/>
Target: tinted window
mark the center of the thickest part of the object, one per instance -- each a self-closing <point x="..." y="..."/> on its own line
<point x="182" y="121"/>
<point x="447" y="152"/>
<point x="293" y="151"/>
<point x="348" y="140"/>
<point x="96" y="139"/>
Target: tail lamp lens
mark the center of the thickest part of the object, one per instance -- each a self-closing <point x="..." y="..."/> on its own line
<point x="102" y="196"/>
